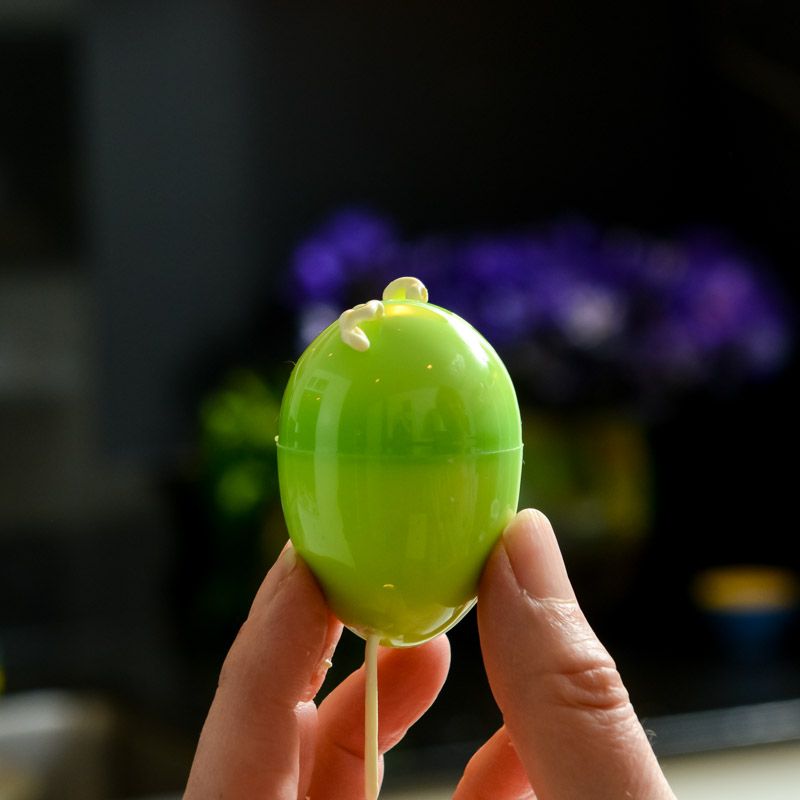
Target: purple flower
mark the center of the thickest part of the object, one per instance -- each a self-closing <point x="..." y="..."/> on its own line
<point x="580" y="303"/>
<point x="358" y="236"/>
<point x="351" y="243"/>
<point x="319" y="270"/>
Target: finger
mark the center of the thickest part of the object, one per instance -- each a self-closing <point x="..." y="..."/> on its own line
<point x="563" y="702"/>
<point x="251" y="742"/>
<point x="306" y="714"/>
<point x="409" y="680"/>
<point x="495" y="772"/>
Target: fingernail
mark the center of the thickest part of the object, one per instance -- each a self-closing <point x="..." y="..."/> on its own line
<point x="288" y="558"/>
<point x="535" y="557"/>
<point x="284" y="564"/>
<point x="281" y="569"/>
<point x="321" y="671"/>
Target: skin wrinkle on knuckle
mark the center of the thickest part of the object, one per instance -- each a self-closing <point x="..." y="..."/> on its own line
<point x="557" y="611"/>
<point x="594" y="688"/>
<point x="343" y="748"/>
<point x="583" y="675"/>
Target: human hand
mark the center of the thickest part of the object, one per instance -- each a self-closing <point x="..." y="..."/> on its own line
<point x="569" y="729"/>
<point x="570" y="732"/>
<point x="265" y="737"/>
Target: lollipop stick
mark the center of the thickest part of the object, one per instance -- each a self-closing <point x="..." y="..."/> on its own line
<point x="371" y="718"/>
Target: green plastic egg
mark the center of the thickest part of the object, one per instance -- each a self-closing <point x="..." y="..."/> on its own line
<point x="399" y="458"/>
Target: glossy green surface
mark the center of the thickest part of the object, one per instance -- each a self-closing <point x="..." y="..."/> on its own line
<point x="399" y="467"/>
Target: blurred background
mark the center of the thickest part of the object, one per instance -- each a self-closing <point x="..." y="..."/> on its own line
<point x="189" y="191"/>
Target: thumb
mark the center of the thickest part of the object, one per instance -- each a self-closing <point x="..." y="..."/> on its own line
<point x="563" y="702"/>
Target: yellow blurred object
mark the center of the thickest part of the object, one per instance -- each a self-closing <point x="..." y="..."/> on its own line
<point x="746" y="587"/>
<point x="16" y="784"/>
<point x="591" y="473"/>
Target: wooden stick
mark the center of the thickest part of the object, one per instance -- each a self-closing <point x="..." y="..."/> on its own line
<point x="371" y="718"/>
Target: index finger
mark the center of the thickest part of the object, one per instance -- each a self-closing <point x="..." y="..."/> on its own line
<point x="251" y="742"/>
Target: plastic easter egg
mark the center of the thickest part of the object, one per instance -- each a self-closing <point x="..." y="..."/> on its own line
<point x="399" y="458"/>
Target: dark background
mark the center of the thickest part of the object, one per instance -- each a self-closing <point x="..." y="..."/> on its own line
<point x="160" y="160"/>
